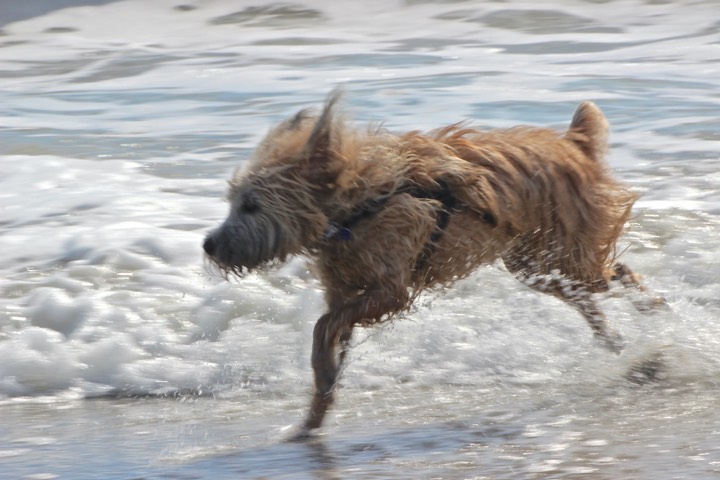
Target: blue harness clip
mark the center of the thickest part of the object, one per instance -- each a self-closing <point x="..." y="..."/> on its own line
<point x="341" y="233"/>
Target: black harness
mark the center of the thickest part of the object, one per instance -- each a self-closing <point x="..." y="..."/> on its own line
<point x="343" y="230"/>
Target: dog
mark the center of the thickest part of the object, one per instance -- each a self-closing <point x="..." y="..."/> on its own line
<point x="384" y="217"/>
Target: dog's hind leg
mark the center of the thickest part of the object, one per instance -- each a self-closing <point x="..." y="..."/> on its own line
<point x="643" y="300"/>
<point x="581" y="298"/>
<point x="574" y="294"/>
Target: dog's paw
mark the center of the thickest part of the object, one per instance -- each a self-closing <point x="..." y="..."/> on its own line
<point x="301" y="435"/>
<point x="647" y="303"/>
<point x="650" y="366"/>
<point x="647" y="370"/>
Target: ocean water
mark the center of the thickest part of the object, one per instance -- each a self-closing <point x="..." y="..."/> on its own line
<point x="122" y="357"/>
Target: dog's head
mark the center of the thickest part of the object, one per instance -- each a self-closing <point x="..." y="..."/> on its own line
<point x="276" y="202"/>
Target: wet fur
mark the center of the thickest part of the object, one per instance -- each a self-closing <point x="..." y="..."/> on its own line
<point x="540" y="200"/>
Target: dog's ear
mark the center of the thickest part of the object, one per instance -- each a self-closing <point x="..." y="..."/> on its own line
<point x="589" y="130"/>
<point x="320" y="151"/>
<point x="296" y="121"/>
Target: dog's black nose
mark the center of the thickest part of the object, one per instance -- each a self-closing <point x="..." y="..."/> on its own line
<point x="209" y="245"/>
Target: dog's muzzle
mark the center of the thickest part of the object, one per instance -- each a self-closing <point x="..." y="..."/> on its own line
<point x="210" y="245"/>
<point x="239" y="246"/>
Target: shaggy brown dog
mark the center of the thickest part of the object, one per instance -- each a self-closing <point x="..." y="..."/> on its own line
<point x="385" y="216"/>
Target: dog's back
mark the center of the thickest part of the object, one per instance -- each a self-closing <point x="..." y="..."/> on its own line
<point x="541" y="199"/>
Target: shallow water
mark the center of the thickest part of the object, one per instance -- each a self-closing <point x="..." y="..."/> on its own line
<point x="121" y="357"/>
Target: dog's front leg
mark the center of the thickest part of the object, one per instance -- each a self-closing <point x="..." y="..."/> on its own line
<point x="333" y="331"/>
<point x="330" y="332"/>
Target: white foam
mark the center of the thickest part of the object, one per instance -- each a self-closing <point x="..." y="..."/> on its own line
<point x="37" y="361"/>
<point x="54" y="309"/>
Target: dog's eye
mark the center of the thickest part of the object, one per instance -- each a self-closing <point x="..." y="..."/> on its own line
<point x="249" y="205"/>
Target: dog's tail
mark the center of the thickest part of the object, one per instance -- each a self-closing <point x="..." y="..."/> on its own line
<point x="589" y="131"/>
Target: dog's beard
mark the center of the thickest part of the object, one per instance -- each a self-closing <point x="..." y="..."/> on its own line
<point x="240" y="246"/>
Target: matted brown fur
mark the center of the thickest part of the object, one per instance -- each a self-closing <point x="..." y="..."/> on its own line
<point x="385" y="216"/>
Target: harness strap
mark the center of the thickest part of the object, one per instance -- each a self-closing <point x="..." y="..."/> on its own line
<point x="343" y="230"/>
<point x="442" y="220"/>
